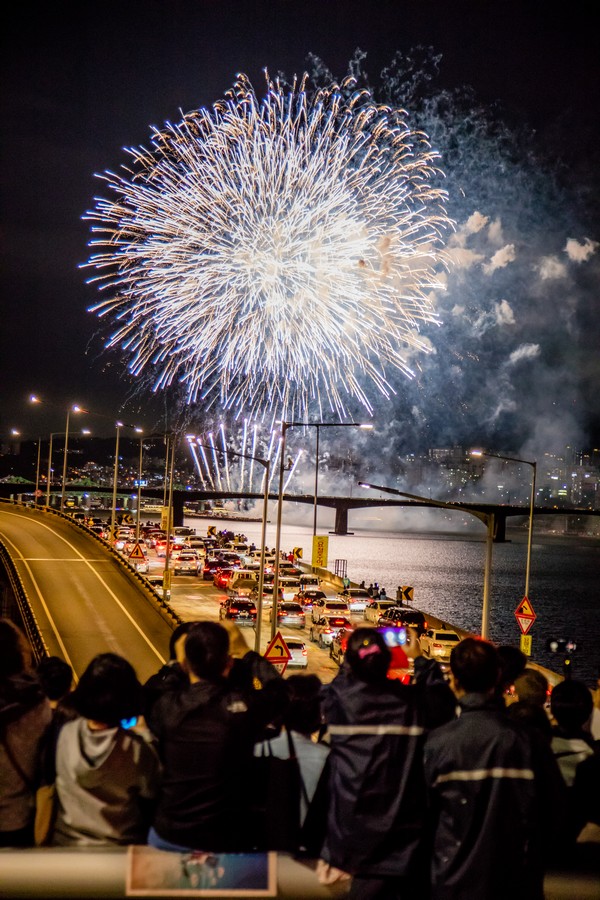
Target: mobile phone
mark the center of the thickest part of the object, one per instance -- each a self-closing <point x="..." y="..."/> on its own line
<point x="129" y="723"/>
<point x="394" y="637"/>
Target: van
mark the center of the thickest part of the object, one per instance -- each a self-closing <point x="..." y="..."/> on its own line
<point x="309" y="581"/>
<point x="242" y="575"/>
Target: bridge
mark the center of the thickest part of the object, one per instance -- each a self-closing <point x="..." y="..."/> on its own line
<point x="495" y="513"/>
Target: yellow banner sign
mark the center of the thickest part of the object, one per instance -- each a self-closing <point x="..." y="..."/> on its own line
<point x="320" y="550"/>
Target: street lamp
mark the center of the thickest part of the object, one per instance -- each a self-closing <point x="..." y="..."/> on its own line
<point x="75" y="409"/>
<point x="318" y="426"/>
<point x="261" y="573"/>
<point x="486" y="518"/>
<point x="54" y="434"/>
<point x="527" y="462"/>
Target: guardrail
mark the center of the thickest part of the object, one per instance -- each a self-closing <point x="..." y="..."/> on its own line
<point x="66" y="873"/>
<point x="32" y="629"/>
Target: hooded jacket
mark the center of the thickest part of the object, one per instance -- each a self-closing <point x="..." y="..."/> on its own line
<point x="377" y="787"/>
<point x="25" y="714"/>
<point x="106" y="781"/>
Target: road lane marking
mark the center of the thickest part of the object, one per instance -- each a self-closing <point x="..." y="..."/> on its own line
<point x="82" y="558"/>
<point x="44" y="606"/>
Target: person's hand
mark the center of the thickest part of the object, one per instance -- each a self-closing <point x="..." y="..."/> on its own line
<point x="412" y="647"/>
<point x="329" y="874"/>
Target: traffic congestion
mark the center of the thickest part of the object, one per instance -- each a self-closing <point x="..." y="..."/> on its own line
<point x="216" y="576"/>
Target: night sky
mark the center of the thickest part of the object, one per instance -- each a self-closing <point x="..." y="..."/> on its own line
<point x="82" y="80"/>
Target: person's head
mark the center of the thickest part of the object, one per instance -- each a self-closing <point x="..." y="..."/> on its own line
<point x="55" y="676"/>
<point x="512" y="664"/>
<point x="207" y="651"/>
<point x="571" y="705"/>
<point x="304" y="709"/>
<point x="181" y="631"/>
<point x="108" y="691"/>
<point x="532" y="687"/>
<point x="15" y="651"/>
<point x="368" y="655"/>
<point x="475" y="667"/>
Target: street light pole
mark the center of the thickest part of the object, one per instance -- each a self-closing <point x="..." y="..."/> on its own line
<point x="71" y="409"/>
<point x="37" y="471"/>
<point x="139" y="492"/>
<point x="261" y="573"/>
<point x="113" y="513"/>
<point x="533" y="464"/>
<point x="284" y="428"/>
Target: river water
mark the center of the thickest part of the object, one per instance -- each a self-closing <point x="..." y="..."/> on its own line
<point x="446" y="572"/>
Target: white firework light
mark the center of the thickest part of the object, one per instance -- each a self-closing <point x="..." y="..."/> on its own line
<point x="273" y="256"/>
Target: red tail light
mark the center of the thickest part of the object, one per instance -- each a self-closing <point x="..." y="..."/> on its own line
<point x="304" y="651"/>
<point x="438" y="646"/>
<point x="233" y="609"/>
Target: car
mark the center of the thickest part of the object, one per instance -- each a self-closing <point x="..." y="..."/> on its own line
<point x="289" y="586"/>
<point x="297" y="648"/>
<point x="222" y="578"/>
<point x="309" y="582"/>
<point x="356" y="598"/>
<point x="152" y="537"/>
<point x="306" y="597"/>
<point x="238" y="610"/>
<point x="156" y="583"/>
<point x="267" y="596"/>
<point x="290" y="614"/>
<point x="328" y="606"/>
<point x="399" y="617"/>
<point x="323" y="630"/>
<point x="376" y="609"/>
<point x="141" y="565"/>
<point x="337" y="648"/>
<point x="437" y="643"/>
<point x="185" y="564"/>
<point x="241" y="587"/>
<point x="211" y="564"/>
<point x="183" y="531"/>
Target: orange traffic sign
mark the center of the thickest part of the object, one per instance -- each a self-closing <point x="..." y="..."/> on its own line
<point x="137" y="553"/>
<point x="278" y="653"/>
<point x="525" y="615"/>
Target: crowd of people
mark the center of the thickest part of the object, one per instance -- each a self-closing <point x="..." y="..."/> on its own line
<point x="434" y="789"/>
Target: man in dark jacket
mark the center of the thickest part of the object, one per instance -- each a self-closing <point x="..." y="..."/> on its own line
<point x="376" y="726"/>
<point x="493" y="785"/>
<point x="206" y="733"/>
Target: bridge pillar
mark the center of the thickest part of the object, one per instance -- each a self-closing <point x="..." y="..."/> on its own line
<point x="178" y="500"/>
<point x="341" y="520"/>
<point x="499" y="528"/>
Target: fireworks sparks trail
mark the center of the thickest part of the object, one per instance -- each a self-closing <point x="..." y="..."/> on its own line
<point x="273" y="255"/>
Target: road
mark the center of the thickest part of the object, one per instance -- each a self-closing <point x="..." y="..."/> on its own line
<point x="85" y="603"/>
<point x="83" y="600"/>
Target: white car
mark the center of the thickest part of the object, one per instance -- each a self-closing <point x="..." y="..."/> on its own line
<point x="437" y="643"/>
<point x="185" y="564"/>
<point x="328" y="606"/>
<point x="142" y="566"/>
<point x="376" y="608"/>
<point x="297" y="648"/>
<point x="356" y="598"/>
<point x="324" y="631"/>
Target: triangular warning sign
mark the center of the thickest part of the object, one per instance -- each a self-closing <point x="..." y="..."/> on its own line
<point x="525" y="623"/>
<point x="524" y="608"/>
<point x="137" y="553"/>
<point x="278" y="650"/>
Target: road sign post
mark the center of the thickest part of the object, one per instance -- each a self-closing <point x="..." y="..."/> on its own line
<point x="278" y="653"/>
<point x="525" y="615"/>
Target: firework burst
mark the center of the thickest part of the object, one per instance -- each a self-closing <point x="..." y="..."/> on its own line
<point x="273" y="256"/>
